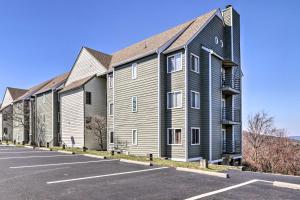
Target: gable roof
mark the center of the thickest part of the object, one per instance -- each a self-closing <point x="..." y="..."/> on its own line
<point x="16" y="92"/>
<point x="77" y="84"/>
<point x="54" y="83"/>
<point x="177" y="37"/>
<point x="32" y="91"/>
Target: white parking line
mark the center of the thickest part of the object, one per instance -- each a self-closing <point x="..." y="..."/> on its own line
<point x="222" y="190"/>
<point x="36" y="157"/>
<point x="57" y="164"/>
<point x="22" y="152"/>
<point x="106" y="175"/>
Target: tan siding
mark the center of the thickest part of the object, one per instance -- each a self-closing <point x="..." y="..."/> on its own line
<point x="7" y="99"/>
<point x="110" y="119"/>
<point x="72" y="117"/>
<point x="86" y="65"/>
<point x="97" y="87"/>
<point x="44" y="128"/>
<point x="174" y="118"/>
<point x="145" y="119"/>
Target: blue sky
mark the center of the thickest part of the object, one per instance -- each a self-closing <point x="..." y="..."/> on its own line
<point x="41" y="39"/>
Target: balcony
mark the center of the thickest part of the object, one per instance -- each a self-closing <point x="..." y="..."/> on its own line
<point x="231" y="147"/>
<point x="230" y="116"/>
<point x="231" y="85"/>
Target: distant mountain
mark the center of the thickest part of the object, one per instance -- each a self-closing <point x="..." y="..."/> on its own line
<point x="295" y="137"/>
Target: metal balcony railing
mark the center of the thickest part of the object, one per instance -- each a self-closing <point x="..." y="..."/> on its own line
<point x="231" y="147"/>
<point x="231" y="82"/>
<point x="231" y="114"/>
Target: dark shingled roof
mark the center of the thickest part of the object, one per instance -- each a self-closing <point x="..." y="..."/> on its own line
<point x="77" y="84"/>
<point x="16" y="92"/>
<point x="54" y="83"/>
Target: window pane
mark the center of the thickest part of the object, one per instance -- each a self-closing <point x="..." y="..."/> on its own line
<point x="197" y="99"/>
<point x="177" y="99"/>
<point x="178" y="62"/>
<point x="177" y="136"/>
<point x="111" y="109"/>
<point x="134" y="136"/>
<point x="111" y="137"/>
<point x="170" y="100"/>
<point x="88" y="98"/>
<point x="134" y="104"/>
<point x="193" y="99"/>
<point x="134" y="70"/>
<point x="110" y="79"/>
<point x="171" y="64"/>
<point x="170" y="135"/>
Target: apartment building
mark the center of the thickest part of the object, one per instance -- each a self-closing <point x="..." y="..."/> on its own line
<point x="176" y="94"/>
<point x="6" y="112"/>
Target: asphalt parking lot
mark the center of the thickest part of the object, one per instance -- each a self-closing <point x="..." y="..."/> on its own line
<point x="36" y="174"/>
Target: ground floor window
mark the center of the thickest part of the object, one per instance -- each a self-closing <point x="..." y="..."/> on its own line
<point x="134" y="137"/>
<point x="111" y="137"/>
<point x="174" y="136"/>
<point x="195" y="136"/>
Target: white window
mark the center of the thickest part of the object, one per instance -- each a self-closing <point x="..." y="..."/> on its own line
<point x="111" y="109"/>
<point x="174" y="136"/>
<point x="134" y="71"/>
<point x="134" y="137"/>
<point x="174" y="63"/>
<point x="111" y="137"/>
<point x="110" y="81"/>
<point x="195" y="136"/>
<point x="134" y="104"/>
<point x="195" y="63"/>
<point x="195" y="100"/>
<point x="174" y="99"/>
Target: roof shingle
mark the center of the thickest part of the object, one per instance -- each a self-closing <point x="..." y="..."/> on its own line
<point x="54" y="83"/>
<point x="77" y="84"/>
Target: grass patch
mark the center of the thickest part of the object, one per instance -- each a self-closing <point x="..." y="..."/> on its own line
<point x="156" y="161"/>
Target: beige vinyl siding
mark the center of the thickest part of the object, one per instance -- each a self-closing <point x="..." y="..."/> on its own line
<point x="85" y="65"/>
<point x="97" y="87"/>
<point x="18" y="122"/>
<point x="145" y="120"/>
<point x="72" y="117"/>
<point x="7" y="99"/>
<point x="44" y="110"/>
<point x="174" y="118"/>
<point x="1" y="127"/>
<point x="110" y="119"/>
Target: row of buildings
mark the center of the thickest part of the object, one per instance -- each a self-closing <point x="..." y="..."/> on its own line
<point x="176" y="94"/>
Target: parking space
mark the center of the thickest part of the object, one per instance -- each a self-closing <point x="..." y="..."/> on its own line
<point x="34" y="174"/>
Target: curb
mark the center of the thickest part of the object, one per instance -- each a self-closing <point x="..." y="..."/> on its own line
<point x="218" y="174"/>
<point x="44" y="149"/>
<point x="94" y="156"/>
<point x="286" y="185"/>
<point x="136" y="162"/>
<point x="29" y="147"/>
<point x="66" y="152"/>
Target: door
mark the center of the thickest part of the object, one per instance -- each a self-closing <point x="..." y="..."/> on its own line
<point x="224" y="139"/>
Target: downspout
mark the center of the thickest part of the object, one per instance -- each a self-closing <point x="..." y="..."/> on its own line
<point x="158" y="107"/>
<point x="186" y="103"/>
<point x="83" y="89"/>
<point x="52" y="115"/>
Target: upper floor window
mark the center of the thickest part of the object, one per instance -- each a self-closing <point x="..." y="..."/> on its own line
<point x="111" y="109"/>
<point x="134" y="137"/>
<point x="4" y="117"/>
<point x="195" y="99"/>
<point x="110" y="81"/>
<point x="111" y="137"/>
<point x="134" y="104"/>
<point x="195" y="63"/>
<point x="174" y="63"/>
<point x="174" y="99"/>
<point x="134" y="71"/>
<point x="195" y="136"/>
<point x="174" y="136"/>
<point x="88" y="98"/>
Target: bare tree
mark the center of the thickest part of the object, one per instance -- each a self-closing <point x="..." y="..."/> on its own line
<point x="97" y="126"/>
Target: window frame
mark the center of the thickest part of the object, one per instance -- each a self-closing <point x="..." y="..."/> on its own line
<point x="136" y="109"/>
<point x="109" y="113"/>
<point x="173" y="132"/>
<point x="134" y="143"/>
<point x="174" y="55"/>
<point x="134" y="72"/>
<point x="199" y="136"/>
<point x="173" y="92"/>
<point x="90" y="98"/>
<point x="194" y="107"/>
<point x="110" y="81"/>
<point x="4" y="117"/>
<point x="191" y="58"/>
